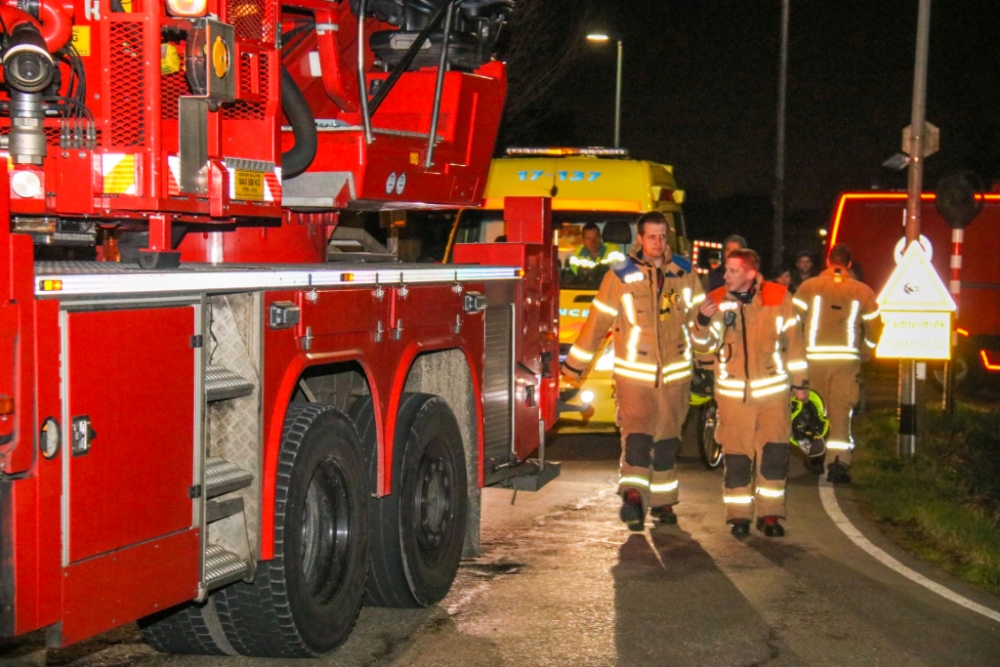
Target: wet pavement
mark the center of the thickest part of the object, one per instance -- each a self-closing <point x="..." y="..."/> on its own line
<point x="562" y="582"/>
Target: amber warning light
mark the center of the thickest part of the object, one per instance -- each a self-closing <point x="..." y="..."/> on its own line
<point x="6" y="405"/>
<point x="50" y="285"/>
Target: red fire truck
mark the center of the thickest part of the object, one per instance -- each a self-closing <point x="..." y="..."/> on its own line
<point x="872" y="224"/>
<point x="203" y="426"/>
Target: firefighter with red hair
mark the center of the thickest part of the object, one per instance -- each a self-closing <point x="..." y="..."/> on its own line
<point x="752" y="329"/>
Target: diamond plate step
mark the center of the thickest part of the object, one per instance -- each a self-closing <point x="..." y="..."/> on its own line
<point x="221" y="477"/>
<point x="222" y="567"/>
<point x="221" y="384"/>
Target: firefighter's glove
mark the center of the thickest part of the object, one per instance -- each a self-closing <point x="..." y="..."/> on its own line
<point x="705" y="312"/>
<point x="570" y="376"/>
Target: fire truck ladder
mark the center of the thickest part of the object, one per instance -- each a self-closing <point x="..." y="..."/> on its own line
<point x="232" y="440"/>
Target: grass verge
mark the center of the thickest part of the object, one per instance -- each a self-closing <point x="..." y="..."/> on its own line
<point x="944" y="503"/>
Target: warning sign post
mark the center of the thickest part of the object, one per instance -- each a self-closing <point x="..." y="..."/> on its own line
<point x="916" y="310"/>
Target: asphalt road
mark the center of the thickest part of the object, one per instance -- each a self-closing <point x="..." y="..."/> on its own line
<point x="562" y="582"/>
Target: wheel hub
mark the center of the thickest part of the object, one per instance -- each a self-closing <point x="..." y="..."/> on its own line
<point x="326" y="531"/>
<point x="434" y="501"/>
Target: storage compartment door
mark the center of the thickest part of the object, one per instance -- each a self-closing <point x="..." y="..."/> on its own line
<point x="129" y="379"/>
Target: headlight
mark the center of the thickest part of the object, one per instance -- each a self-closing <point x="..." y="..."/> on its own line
<point x="607" y="360"/>
<point x="586" y="397"/>
<point x="187" y="7"/>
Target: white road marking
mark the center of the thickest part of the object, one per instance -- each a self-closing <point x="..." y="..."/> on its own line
<point x="832" y="508"/>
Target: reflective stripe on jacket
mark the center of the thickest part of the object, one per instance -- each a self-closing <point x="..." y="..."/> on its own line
<point x="608" y="254"/>
<point x="649" y="330"/>
<point x="758" y="346"/>
<point x="841" y="316"/>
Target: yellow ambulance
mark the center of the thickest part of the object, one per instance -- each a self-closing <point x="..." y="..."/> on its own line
<point x="598" y="185"/>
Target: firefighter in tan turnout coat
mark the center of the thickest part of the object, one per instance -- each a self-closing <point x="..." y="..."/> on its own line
<point x="842" y="324"/>
<point x="752" y="329"/>
<point x="644" y="301"/>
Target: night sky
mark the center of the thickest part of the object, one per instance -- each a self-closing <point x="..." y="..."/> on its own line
<point x="700" y="93"/>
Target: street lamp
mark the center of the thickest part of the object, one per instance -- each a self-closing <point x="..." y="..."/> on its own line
<point x="600" y="38"/>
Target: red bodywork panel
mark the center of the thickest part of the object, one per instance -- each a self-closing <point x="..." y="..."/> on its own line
<point x="106" y="592"/>
<point x="872" y="223"/>
<point x="529" y="233"/>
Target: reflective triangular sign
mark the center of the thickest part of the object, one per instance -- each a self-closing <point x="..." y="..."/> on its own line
<point x="915" y="286"/>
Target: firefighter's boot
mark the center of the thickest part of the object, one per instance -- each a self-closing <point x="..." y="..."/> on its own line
<point x="664" y="514"/>
<point x="740" y="528"/>
<point x="769" y="526"/>
<point x="631" y="513"/>
<point x="836" y="473"/>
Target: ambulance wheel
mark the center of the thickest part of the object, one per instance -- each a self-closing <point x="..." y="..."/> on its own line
<point x="189" y="629"/>
<point x="709" y="449"/>
<point x="418" y="531"/>
<point x="304" y="601"/>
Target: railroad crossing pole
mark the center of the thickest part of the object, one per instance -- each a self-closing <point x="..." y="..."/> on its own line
<point x="907" y="372"/>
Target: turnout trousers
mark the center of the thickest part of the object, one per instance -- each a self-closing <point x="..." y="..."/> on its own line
<point x="650" y="420"/>
<point x="754" y="436"/>
<point x="836" y="382"/>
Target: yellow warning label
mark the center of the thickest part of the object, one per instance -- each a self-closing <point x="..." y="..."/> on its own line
<point x="249" y="185"/>
<point x="81" y="39"/>
<point x="915" y="336"/>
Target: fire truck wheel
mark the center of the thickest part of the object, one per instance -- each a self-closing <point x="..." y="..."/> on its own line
<point x="305" y="601"/>
<point x="191" y="629"/>
<point x="417" y="532"/>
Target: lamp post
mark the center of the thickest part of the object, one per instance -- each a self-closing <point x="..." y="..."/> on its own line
<point x="601" y="37"/>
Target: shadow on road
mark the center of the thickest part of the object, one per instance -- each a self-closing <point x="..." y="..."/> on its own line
<point x="674" y="607"/>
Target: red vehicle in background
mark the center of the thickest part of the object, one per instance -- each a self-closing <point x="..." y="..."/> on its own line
<point x="203" y="426"/>
<point x="872" y="224"/>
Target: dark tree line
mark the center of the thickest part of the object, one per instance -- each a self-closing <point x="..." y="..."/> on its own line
<point x="543" y="38"/>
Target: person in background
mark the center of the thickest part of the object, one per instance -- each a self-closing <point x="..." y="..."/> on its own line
<point x="784" y="277"/>
<point x="717" y="276"/>
<point x="803" y="270"/>
<point x="842" y="325"/>
<point x="594" y="251"/>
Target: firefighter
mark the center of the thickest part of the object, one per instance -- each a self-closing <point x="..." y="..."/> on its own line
<point x="842" y="326"/>
<point x="594" y="251"/>
<point x="752" y="329"/>
<point x="644" y="300"/>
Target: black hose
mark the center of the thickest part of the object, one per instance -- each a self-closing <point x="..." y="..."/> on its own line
<point x="303" y="123"/>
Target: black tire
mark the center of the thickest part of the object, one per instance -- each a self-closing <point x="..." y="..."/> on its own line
<point x="189" y="629"/>
<point x="709" y="449"/>
<point x="418" y="531"/>
<point x="306" y="600"/>
<point x="968" y="372"/>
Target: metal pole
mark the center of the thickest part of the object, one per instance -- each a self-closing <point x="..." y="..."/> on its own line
<point x="779" y="158"/>
<point x="439" y="86"/>
<point x="908" y="376"/>
<point x="955" y="287"/>
<point x="618" y="99"/>
<point x="366" y="120"/>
